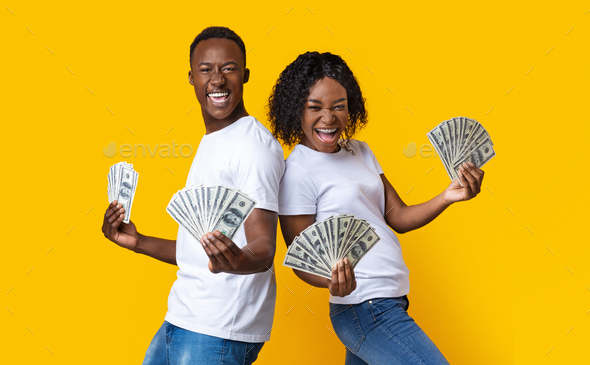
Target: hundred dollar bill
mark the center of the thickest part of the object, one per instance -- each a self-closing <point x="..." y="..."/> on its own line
<point x="344" y="235"/>
<point x="360" y="230"/>
<point x="126" y="190"/>
<point x="468" y="125"/>
<point x="311" y="235"/>
<point x="476" y="136"/>
<point x="307" y="246"/>
<point x="297" y="251"/>
<point x="362" y="246"/>
<point x="300" y="265"/>
<point x="210" y="192"/>
<point x="333" y="233"/>
<point x="478" y="156"/>
<point x="451" y="126"/>
<point x="475" y="142"/>
<point x="221" y="203"/>
<point x="322" y="231"/>
<point x="234" y="215"/>
<point x="457" y="122"/>
<point x="190" y="209"/>
<point x="178" y="217"/>
<point x="342" y="224"/>
<point x="435" y="137"/>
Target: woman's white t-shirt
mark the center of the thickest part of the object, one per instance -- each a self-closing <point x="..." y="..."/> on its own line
<point x="243" y="156"/>
<point x="348" y="182"/>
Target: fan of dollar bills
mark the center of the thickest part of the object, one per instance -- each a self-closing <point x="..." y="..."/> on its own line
<point x="326" y="242"/>
<point x="461" y="140"/>
<point x="122" y="184"/>
<point x="202" y="209"/>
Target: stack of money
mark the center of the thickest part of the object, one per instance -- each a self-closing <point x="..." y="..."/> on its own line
<point x="461" y="140"/>
<point x="326" y="242"/>
<point x="122" y="184"/>
<point x="202" y="209"/>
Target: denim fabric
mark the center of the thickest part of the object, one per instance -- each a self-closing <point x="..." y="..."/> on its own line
<point x="173" y="345"/>
<point x="381" y="332"/>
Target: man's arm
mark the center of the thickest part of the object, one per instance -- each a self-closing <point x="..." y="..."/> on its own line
<point x="403" y="218"/>
<point x="126" y="236"/>
<point x="256" y="256"/>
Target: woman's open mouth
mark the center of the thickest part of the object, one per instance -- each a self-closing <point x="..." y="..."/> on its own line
<point x="327" y="135"/>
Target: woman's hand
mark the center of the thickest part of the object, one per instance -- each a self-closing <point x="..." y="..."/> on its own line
<point x="125" y="235"/>
<point x="471" y="177"/>
<point x="343" y="281"/>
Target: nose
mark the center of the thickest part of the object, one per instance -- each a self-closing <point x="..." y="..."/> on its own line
<point x="217" y="78"/>
<point x="328" y="115"/>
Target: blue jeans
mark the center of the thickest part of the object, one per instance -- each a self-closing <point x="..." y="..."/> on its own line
<point x="173" y="345"/>
<point x="380" y="331"/>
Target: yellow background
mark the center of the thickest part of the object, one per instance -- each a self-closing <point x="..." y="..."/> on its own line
<point x="502" y="279"/>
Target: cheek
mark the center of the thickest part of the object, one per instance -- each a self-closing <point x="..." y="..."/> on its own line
<point x="307" y="122"/>
<point x="343" y="119"/>
<point x="199" y="85"/>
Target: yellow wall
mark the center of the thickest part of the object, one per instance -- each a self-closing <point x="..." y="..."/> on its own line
<point x="484" y="286"/>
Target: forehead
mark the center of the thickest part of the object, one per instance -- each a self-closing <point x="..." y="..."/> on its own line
<point x="217" y="50"/>
<point x="327" y="89"/>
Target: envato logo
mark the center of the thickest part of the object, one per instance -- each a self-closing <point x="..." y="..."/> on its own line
<point x="426" y="150"/>
<point x="163" y="150"/>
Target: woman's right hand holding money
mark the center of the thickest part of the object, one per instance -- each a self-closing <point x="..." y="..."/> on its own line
<point x="343" y="281"/>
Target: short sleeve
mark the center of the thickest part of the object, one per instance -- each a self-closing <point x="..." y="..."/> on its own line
<point x="298" y="193"/>
<point x="257" y="167"/>
<point x="373" y="158"/>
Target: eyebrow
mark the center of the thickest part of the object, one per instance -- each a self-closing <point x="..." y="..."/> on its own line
<point x="319" y="102"/>
<point x="225" y="64"/>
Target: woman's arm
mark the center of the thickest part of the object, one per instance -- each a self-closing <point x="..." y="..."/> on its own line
<point x="343" y="281"/>
<point x="403" y="218"/>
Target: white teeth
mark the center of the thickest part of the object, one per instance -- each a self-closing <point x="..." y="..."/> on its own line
<point x="218" y="95"/>
<point x="327" y="130"/>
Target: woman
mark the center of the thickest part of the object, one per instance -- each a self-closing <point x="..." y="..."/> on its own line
<point x="315" y="101"/>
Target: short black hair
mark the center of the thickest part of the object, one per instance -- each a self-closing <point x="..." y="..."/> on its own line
<point x="287" y="99"/>
<point x="218" y="32"/>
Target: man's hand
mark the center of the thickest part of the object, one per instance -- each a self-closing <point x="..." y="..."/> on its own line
<point x="125" y="235"/>
<point x="224" y="255"/>
<point x="471" y="177"/>
<point x="343" y="281"/>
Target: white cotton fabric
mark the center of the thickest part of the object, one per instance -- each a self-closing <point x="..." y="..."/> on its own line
<point x="243" y="156"/>
<point x="348" y="182"/>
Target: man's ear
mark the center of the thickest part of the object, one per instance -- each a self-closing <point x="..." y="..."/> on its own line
<point x="246" y="75"/>
<point x="190" y="77"/>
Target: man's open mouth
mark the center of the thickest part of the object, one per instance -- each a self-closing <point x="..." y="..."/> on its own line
<point x="218" y="97"/>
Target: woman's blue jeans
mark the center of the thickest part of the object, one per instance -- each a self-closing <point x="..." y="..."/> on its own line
<point x="173" y="345"/>
<point x="380" y="331"/>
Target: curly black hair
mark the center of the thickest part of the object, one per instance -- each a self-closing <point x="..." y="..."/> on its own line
<point x="218" y="32"/>
<point x="287" y="99"/>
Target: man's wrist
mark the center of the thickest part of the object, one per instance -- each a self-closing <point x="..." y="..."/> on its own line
<point x="139" y="244"/>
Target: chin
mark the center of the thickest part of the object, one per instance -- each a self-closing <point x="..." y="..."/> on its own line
<point x="220" y="114"/>
<point x="325" y="147"/>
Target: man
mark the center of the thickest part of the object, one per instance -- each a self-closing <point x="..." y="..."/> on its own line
<point x="221" y="306"/>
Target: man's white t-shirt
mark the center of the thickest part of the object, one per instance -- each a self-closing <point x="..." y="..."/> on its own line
<point x="243" y="156"/>
<point x="348" y="182"/>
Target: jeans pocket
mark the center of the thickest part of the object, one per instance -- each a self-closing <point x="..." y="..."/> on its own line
<point x="347" y="326"/>
<point x="384" y="305"/>
<point x="169" y="332"/>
